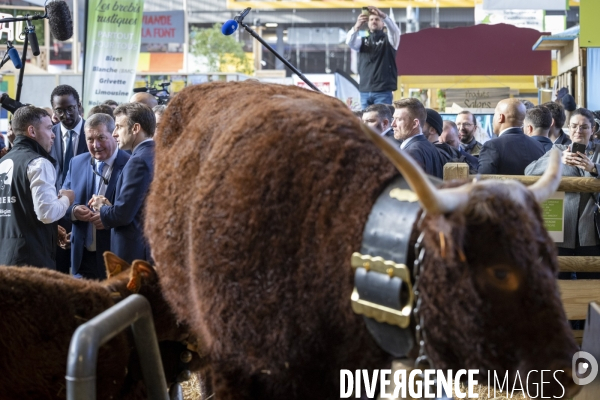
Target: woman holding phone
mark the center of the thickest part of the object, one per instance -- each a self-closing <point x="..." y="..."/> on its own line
<point x="580" y="158"/>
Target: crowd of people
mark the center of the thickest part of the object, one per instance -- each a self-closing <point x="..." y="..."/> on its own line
<point x="524" y="136"/>
<point x="73" y="188"/>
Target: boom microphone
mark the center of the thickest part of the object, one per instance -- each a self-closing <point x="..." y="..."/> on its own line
<point x="60" y="20"/>
<point x="231" y="25"/>
<point x="14" y="57"/>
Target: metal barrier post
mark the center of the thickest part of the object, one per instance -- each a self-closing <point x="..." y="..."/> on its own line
<point x="87" y="339"/>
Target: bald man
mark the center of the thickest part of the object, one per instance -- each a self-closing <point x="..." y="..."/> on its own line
<point x="144" y="98"/>
<point x="512" y="150"/>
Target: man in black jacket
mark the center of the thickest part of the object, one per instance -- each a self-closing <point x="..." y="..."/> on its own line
<point x="29" y="205"/>
<point x="376" y="57"/>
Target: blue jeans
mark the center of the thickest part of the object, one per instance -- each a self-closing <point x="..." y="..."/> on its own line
<point x="368" y="98"/>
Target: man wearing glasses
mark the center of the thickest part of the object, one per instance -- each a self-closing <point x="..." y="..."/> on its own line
<point x="467" y="125"/>
<point x="93" y="173"/>
<point x="69" y="141"/>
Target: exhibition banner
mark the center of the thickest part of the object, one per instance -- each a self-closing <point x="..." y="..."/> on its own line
<point x="553" y="212"/>
<point x="114" y="31"/>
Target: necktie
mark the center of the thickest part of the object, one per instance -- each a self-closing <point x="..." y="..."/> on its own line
<point x="98" y="183"/>
<point x="68" y="154"/>
<point x="99" y="179"/>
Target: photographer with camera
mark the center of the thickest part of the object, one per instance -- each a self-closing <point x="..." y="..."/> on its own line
<point x="376" y="56"/>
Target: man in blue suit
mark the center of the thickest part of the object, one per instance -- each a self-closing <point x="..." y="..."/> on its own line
<point x="409" y="118"/>
<point x="512" y="151"/>
<point x="69" y="141"/>
<point x="90" y="173"/>
<point x="134" y="129"/>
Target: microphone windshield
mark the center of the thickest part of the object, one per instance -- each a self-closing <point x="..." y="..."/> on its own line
<point x="14" y="57"/>
<point x="60" y="20"/>
<point x="229" y="27"/>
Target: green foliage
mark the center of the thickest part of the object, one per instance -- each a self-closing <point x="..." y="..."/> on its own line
<point x="221" y="52"/>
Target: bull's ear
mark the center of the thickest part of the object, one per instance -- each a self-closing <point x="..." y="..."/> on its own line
<point x="139" y="270"/>
<point x="114" y="265"/>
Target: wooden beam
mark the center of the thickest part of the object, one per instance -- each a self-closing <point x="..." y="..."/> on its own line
<point x="577" y="294"/>
<point x="579" y="264"/>
<point x="567" y="184"/>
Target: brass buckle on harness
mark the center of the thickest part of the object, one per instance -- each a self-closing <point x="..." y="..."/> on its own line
<point x="376" y="311"/>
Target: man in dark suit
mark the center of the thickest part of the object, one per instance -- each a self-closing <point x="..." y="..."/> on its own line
<point x="409" y="117"/>
<point x="556" y="133"/>
<point x="537" y="124"/>
<point x="378" y="117"/>
<point x="69" y="136"/>
<point x="134" y="129"/>
<point x="512" y="151"/>
<point x="69" y="141"/>
<point x="90" y="173"/>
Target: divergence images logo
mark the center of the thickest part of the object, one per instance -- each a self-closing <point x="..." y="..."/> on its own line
<point x="585" y="368"/>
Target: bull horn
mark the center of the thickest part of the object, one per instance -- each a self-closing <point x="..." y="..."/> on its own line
<point x="548" y="182"/>
<point x="433" y="201"/>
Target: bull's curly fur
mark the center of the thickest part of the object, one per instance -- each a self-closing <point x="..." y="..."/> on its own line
<point x="265" y="189"/>
<point x="252" y="217"/>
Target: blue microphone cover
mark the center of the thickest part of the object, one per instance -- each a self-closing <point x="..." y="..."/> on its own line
<point x="229" y="27"/>
<point x="14" y="57"/>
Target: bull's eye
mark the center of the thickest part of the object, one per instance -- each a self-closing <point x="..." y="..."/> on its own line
<point x="503" y="277"/>
<point x="500" y="273"/>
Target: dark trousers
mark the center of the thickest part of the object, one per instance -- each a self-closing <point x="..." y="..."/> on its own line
<point x="89" y="267"/>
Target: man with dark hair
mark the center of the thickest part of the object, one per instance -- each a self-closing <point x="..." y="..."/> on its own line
<point x="91" y="173"/>
<point x="512" y="150"/>
<point x="112" y="104"/>
<point x="409" y="117"/>
<point x="467" y="125"/>
<point x="379" y="118"/>
<point x="69" y="135"/>
<point x="28" y="229"/>
<point x="134" y="129"/>
<point x="556" y="133"/>
<point x="537" y="124"/>
<point x="433" y="129"/>
<point x="376" y="56"/>
<point x="69" y="141"/>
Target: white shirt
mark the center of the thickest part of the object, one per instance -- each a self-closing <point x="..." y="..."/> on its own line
<point x="407" y="141"/>
<point x="47" y="205"/>
<point x="353" y="39"/>
<point x="65" y="137"/>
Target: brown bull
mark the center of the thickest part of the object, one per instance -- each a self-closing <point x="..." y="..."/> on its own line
<point x="40" y="310"/>
<point x="260" y="197"/>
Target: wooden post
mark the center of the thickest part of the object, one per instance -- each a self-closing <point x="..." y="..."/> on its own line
<point x="456" y="171"/>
